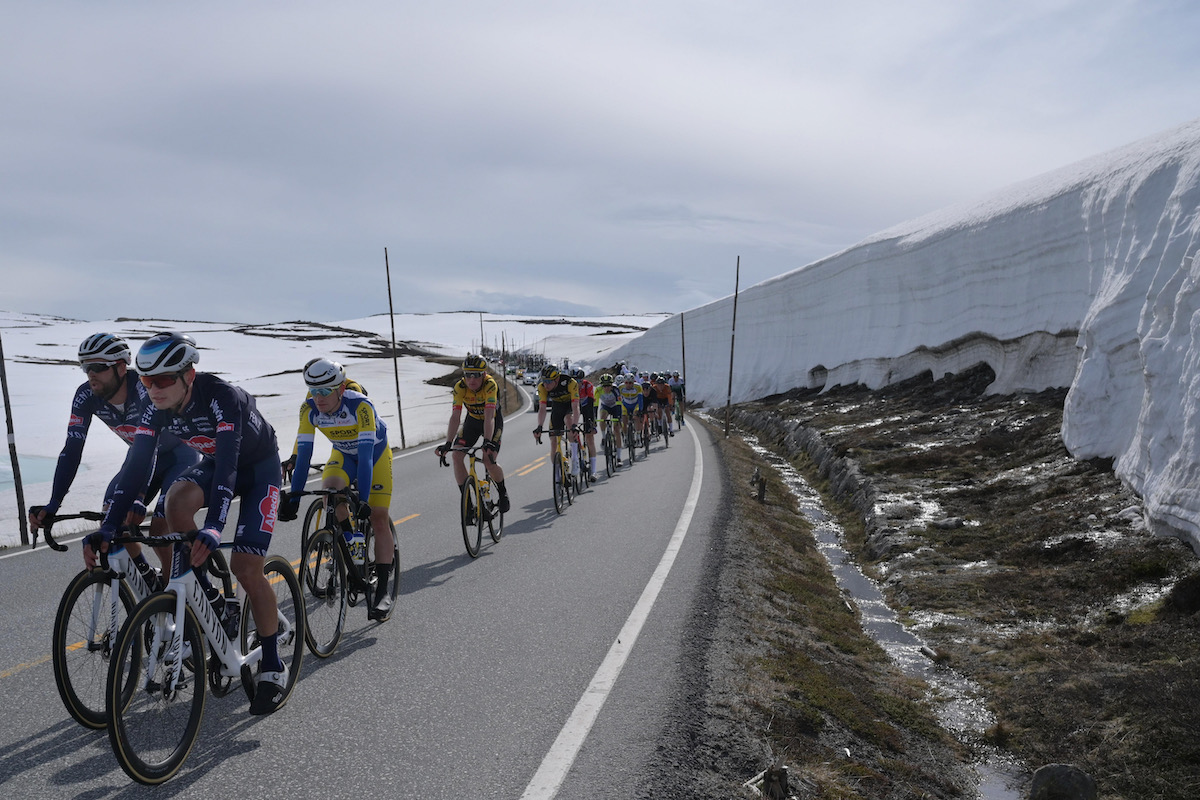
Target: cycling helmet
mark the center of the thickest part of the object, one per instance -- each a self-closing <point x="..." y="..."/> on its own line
<point x="167" y="353"/>
<point x="577" y="373"/>
<point x="550" y="373"/>
<point x="324" y="374"/>
<point x="474" y="363"/>
<point x="606" y="379"/>
<point x="104" y="347"/>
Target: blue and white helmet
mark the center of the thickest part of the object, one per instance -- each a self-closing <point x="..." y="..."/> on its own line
<point x="103" y="348"/>
<point x="167" y="353"/>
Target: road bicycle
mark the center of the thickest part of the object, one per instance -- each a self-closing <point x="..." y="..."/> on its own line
<point x="174" y="650"/>
<point x="679" y="411"/>
<point x="93" y="607"/>
<point x="560" y="474"/>
<point x="480" y="504"/>
<point x="632" y="436"/>
<point x="609" y="444"/>
<point x="583" y="472"/>
<point x="332" y="577"/>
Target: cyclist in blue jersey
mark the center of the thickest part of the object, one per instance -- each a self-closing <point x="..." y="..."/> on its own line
<point x="360" y="455"/>
<point x="113" y="395"/>
<point x="221" y="421"/>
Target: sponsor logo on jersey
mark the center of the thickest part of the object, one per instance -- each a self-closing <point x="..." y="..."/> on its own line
<point x="126" y="432"/>
<point x="224" y="427"/>
<point x="74" y="420"/>
<point x="269" y="509"/>
<point x="201" y="444"/>
<point x="144" y="430"/>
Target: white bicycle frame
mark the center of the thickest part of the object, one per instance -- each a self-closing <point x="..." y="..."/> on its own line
<point x="121" y="568"/>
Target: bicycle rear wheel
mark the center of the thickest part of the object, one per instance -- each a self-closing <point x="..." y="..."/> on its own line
<point x="323" y="580"/>
<point x="472" y="517"/>
<point x="154" y="716"/>
<point x="292" y="630"/>
<point x="557" y="489"/>
<point x="84" y="637"/>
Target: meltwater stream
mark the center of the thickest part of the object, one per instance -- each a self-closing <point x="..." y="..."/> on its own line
<point x="958" y="704"/>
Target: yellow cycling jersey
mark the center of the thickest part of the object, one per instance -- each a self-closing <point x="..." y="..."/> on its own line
<point x="350" y="385"/>
<point x="566" y="391"/>
<point x="488" y="396"/>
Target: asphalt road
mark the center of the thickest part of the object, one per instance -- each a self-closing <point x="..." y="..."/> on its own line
<point x="473" y="688"/>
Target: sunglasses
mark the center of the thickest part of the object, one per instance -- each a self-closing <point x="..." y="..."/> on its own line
<point x="472" y="374"/>
<point x="324" y="391"/>
<point x="96" y="369"/>
<point x="160" y="381"/>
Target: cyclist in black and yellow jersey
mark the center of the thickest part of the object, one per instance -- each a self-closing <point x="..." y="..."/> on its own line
<point x="478" y="392"/>
<point x="560" y="392"/>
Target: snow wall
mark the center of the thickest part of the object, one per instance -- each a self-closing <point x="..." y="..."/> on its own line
<point x="1086" y="277"/>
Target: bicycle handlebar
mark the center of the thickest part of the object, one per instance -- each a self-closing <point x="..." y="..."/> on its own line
<point x="47" y="524"/>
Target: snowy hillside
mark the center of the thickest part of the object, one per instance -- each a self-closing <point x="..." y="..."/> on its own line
<point x="1084" y="277"/>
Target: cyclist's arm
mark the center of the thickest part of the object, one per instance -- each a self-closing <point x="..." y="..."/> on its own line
<point x="455" y="419"/>
<point x="303" y="451"/>
<point x="72" y="452"/>
<point x="135" y="473"/>
<point x="365" y="413"/>
<point x="230" y="425"/>
<point x="489" y="421"/>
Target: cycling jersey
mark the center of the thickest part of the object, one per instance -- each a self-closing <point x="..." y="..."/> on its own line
<point x="476" y="403"/>
<point x="221" y="421"/>
<point x="355" y="432"/>
<point x="122" y="420"/>
<point x="350" y="385"/>
<point x="631" y="396"/>
<point x="565" y="391"/>
<point x="663" y="394"/>
<point x="609" y="398"/>
<point x="587" y="393"/>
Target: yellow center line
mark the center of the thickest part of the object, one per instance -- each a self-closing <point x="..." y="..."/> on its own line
<point x="525" y="470"/>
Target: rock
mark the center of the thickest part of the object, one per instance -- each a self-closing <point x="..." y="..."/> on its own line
<point x="1062" y="782"/>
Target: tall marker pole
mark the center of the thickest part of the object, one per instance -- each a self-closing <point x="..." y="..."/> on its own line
<point x="732" y="335"/>
<point x="12" y="451"/>
<point x="683" y="358"/>
<point x="395" y="359"/>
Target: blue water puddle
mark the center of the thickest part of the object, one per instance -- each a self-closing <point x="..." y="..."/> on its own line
<point x="34" y="469"/>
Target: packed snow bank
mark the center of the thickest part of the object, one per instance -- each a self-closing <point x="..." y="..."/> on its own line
<point x="1084" y="277"/>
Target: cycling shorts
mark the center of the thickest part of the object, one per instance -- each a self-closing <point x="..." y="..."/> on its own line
<point x="558" y="415"/>
<point x="343" y="466"/>
<point x="258" y="489"/>
<point x="588" y="413"/>
<point x="472" y="430"/>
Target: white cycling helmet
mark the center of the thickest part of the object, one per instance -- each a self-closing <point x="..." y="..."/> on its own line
<point x="167" y="353"/>
<point x="321" y="373"/>
<point x="103" y="347"/>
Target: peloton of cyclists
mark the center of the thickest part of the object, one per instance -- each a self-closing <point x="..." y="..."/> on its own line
<point x="479" y="393"/>
<point x="360" y="455"/>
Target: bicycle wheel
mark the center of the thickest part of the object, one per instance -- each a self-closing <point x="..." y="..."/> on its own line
<point x="472" y="517"/>
<point x="666" y="436"/>
<point x="154" y="716"/>
<point x="495" y="517"/>
<point x="557" y="484"/>
<point x="610" y="453"/>
<point x="314" y="519"/>
<point x="568" y="480"/>
<point x="289" y="600"/>
<point x="324" y="585"/>
<point x="85" y="634"/>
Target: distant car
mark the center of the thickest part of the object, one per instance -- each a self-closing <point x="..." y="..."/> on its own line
<point x="530" y="379"/>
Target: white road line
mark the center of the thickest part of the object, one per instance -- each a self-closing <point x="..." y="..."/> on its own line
<point x="558" y="760"/>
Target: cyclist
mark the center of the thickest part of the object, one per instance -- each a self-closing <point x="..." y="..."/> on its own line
<point x="479" y="393"/>
<point x="289" y="465"/>
<point x="609" y="401"/>
<point x="560" y="393"/>
<point x="361" y="455"/>
<point x="649" y="404"/>
<point x="114" y="395"/>
<point x="587" y="408"/>
<point x="631" y="399"/>
<point x="221" y="421"/>
<point x="666" y="404"/>
<point x="676" y="384"/>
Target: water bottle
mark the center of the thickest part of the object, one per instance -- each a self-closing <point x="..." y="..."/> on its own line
<point x="231" y="619"/>
<point x="358" y="546"/>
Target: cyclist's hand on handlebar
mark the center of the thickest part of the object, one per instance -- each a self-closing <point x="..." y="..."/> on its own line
<point x="442" y="449"/>
<point x="490" y="447"/>
<point x="289" y="507"/>
<point x="206" y="541"/>
<point x="288" y="466"/>
<point x="38" y="515"/>
<point x="94" y="544"/>
<point x="363" y="514"/>
<point x="537" y="434"/>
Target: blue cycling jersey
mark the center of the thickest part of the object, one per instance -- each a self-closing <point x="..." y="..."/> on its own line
<point x="220" y="421"/>
<point x="122" y="420"/>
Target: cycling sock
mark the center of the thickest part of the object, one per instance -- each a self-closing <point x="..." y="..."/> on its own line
<point x="382" y="573"/>
<point x="271" y="662"/>
<point x="592" y="464"/>
<point x="500" y="486"/>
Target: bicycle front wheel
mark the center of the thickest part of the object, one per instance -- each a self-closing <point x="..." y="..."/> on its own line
<point x="472" y="517"/>
<point x="495" y="517"/>
<point x="610" y="455"/>
<point x="289" y="602"/>
<point x="85" y="634"/>
<point x="155" y="694"/>
<point x="559" y="492"/>
<point x="323" y="581"/>
<point x="314" y="519"/>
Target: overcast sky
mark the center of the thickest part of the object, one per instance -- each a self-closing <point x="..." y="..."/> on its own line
<point x="250" y="161"/>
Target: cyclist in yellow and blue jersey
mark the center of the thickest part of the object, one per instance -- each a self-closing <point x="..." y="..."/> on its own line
<point x="611" y="407"/>
<point x="561" y="393"/>
<point x="360" y="455"/>
<point x="478" y="393"/>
